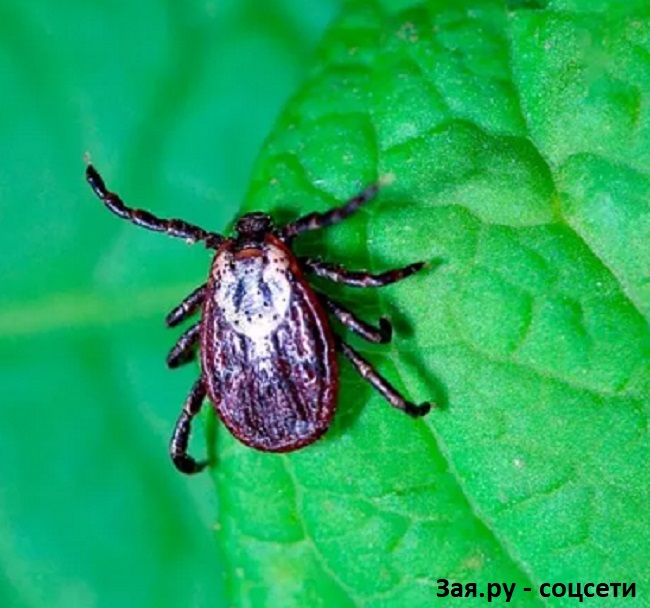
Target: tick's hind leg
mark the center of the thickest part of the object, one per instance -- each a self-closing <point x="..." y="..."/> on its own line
<point x="387" y="390"/>
<point x="314" y="221"/>
<point x="359" y="278"/>
<point x="178" y="445"/>
<point x="183" y="351"/>
<point x="379" y="335"/>
<point x="187" y="307"/>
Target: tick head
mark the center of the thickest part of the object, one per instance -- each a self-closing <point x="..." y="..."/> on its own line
<point x="254" y="225"/>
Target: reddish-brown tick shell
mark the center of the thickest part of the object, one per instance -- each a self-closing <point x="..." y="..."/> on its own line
<point x="267" y="350"/>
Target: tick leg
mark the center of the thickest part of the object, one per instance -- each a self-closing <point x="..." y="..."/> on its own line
<point x="379" y="335"/>
<point x="387" y="390"/>
<point x="139" y="217"/>
<point x="187" y="307"/>
<point x="314" y="221"/>
<point x="178" y="445"/>
<point x="182" y="351"/>
<point x="360" y="278"/>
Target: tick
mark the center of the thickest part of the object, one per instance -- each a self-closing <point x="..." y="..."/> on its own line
<point x="268" y="355"/>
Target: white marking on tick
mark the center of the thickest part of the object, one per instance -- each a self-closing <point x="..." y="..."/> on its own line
<point x="254" y="292"/>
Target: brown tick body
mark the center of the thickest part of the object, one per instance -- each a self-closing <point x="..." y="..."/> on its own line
<point x="267" y="350"/>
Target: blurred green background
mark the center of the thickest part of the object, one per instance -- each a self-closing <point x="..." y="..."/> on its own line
<point x="172" y="100"/>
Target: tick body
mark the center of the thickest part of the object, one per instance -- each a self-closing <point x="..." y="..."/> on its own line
<point x="268" y="355"/>
<point x="267" y="349"/>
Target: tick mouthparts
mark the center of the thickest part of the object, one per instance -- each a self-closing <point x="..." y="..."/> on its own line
<point x="254" y="224"/>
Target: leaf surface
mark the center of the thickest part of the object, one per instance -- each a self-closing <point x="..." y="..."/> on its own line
<point x="519" y="139"/>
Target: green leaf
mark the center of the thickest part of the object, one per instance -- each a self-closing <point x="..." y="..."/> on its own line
<point x="519" y="139"/>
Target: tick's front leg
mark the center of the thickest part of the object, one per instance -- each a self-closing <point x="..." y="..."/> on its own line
<point x="178" y="445"/>
<point x="314" y="221"/>
<point x="140" y="217"/>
